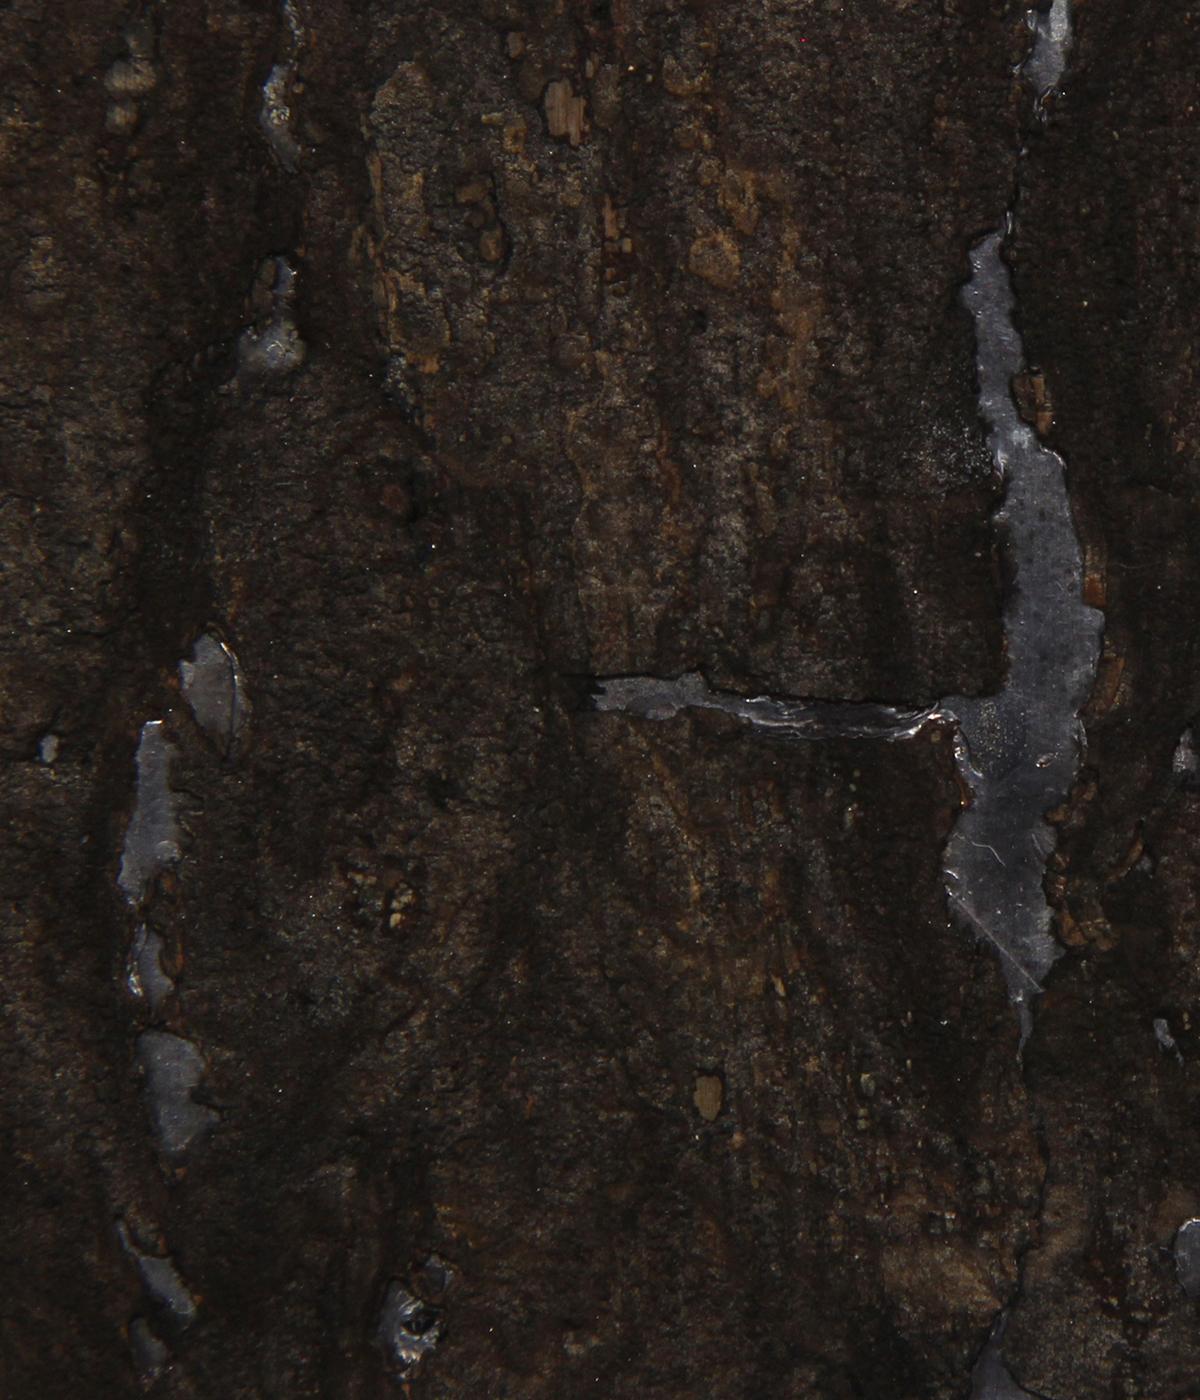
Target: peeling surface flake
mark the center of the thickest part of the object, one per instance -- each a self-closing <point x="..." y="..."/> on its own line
<point x="173" y="1068"/>
<point x="152" y="836"/>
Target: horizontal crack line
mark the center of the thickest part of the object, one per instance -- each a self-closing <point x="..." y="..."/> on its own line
<point x="651" y="697"/>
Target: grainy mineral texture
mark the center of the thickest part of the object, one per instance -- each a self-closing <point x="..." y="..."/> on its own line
<point x="374" y="380"/>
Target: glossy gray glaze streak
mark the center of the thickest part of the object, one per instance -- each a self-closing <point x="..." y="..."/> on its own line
<point x="408" y="1329"/>
<point x="1044" y="67"/>
<point x="161" y="1279"/>
<point x="146" y="977"/>
<point x="165" y="1286"/>
<point x="1185" y="762"/>
<point x="173" y="1068"/>
<point x="1187" y="1257"/>
<point x="150" y="1353"/>
<point x="212" y="686"/>
<point x="275" y="116"/>
<point x="152" y="836"/>
<point x="991" y="1378"/>
<point x="1021" y="746"/>
<point x="1166" y="1041"/>
<point x="274" y="344"/>
<point x="651" y="698"/>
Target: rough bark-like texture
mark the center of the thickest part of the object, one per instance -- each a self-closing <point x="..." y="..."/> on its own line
<point x="642" y="1059"/>
<point x="1108" y="287"/>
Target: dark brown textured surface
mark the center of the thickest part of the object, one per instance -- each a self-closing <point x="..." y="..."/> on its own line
<point x="633" y="344"/>
<point x="1108" y="293"/>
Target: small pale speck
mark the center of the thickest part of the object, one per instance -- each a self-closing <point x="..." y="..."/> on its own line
<point x="708" y="1096"/>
